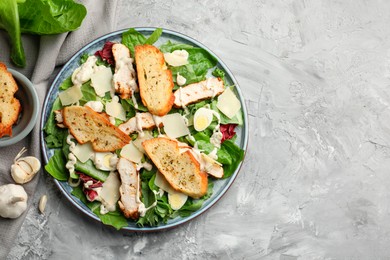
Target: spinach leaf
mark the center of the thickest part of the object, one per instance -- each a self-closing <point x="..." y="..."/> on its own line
<point x="199" y="62"/>
<point x="67" y="83"/>
<point x="54" y="135"/>
<point x="132" y="37"/>
<point x="56" y="166"/>
<point x="154" y="36"/>
<point x="89" y="93"/>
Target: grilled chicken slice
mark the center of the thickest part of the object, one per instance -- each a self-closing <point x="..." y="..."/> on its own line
<point x="124" y="77"/>
<point x="196" y="92"/>
<point x="129" y="189"/>
<point x="137" y="123"/>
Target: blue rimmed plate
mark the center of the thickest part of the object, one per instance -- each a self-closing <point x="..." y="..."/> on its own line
<point x="220" y="186"/>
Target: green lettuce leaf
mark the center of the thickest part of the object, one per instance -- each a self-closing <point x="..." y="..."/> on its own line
<point x="40" y="17"/>
<point x="50" y="16"/>
<point x="132" y="37"/>
<point x="9" y="20"/>
<point x="199" y="62"/>
<point x="114" y="218"/>
<point x="56" y="166"/>
<point x="236" y="155"/>
<point x="54" y="135"/>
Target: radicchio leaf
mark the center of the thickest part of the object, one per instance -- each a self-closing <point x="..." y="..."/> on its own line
<point x="227" y="131"/>
<point x="106" y="53"/>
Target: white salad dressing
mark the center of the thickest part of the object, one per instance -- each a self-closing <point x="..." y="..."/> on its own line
<point x="145" y="165"/>
<point x="135" y="103"/>
<point x="138" y="124"/>
<point x="71" y="157"/>
<point x="83" y="73"/>
<point x="180" y="80"/>
<point x="97" y="106"/>
<point x="141" y="206"/>
<point x="126" y="64"/>
<point x="157" y="121"/>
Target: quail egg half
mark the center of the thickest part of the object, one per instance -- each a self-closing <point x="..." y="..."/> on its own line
<point x="202" y="118"/>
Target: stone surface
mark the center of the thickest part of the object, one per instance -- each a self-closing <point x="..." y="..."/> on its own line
<point x="314" y="184"/>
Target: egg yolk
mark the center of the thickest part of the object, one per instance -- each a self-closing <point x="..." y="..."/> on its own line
<point x="201" y="123"/>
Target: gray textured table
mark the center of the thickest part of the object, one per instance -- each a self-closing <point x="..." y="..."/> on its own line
<point x="315" y="181"/>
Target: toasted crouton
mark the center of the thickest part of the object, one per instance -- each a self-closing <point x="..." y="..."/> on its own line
<point x="9" y="106"/>
<point x="181" y="170"/>
<point x="86" y="125"/>
<point x="154" y="79"/>
<point x="196" y="92"/>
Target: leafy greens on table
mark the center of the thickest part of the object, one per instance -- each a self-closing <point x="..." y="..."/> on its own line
<point x="40" y="17"/>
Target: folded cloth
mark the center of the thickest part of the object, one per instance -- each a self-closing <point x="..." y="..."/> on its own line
<point x="44" y="55"/>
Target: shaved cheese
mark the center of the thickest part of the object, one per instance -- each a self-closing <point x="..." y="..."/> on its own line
<point x="175" y="126"/>
<point x="115" y="109"/>
<point x="70" y="96"/>
<point x="109" y="193"/>
<point x="101" y="80"/>
<point x="83" y="152"/>
<point x="162" y="183"/>
<point x="228" y="103"/>
<point x="138" y="142"/>
<point x="131" y="153"/>
<point x="177" y="200"/>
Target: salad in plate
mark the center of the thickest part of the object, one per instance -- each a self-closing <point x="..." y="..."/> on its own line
<point x="103" y="127"/>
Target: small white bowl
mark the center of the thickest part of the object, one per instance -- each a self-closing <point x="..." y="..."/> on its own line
<point x="29" y="101"/>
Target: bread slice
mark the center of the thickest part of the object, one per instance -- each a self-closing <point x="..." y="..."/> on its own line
<point x="181" y="170"/>
<point x="154" y="80"/>
<point x="10" y="107"/>
<point x="87" y="125"/>
<point x="196" y="92"/>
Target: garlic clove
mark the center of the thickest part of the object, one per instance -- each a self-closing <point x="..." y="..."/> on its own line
<point x="42" y="203"/>
<point x="24" y="169"/>
<point x="33" y="162"/>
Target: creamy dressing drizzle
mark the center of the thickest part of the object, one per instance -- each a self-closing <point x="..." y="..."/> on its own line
<point x="84" y="72"/>
<point x="138" y="124"/>
<point x="134" y="99"/>
<point x="157" y="121"/>
<point x="145" y="165"/>
<point x="71" y="157"/>
<point x="141" y="206"/>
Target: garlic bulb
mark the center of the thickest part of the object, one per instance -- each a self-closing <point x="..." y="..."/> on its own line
<point x="13" y="200"/>
<point x="24" y="168"/>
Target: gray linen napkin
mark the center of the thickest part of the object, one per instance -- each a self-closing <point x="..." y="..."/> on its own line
<point x="45" y="55"/>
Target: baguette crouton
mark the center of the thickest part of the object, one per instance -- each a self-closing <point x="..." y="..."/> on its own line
<point x="9" y="106"/>
<point x="86" y="125"/>
<point x="154" y="79"/>
<point x="181" y="170"/>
